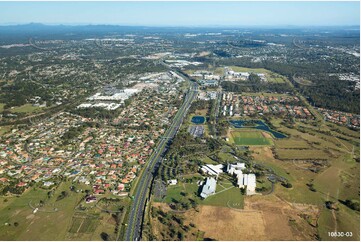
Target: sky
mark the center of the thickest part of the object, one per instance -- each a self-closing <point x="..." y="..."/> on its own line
<point x="183" y="13"/>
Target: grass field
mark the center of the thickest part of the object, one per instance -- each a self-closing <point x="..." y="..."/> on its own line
<point x="83" y="224"/>
<point x="228" y="195"/>
<point x="291" y="144"/>
<point x="2" y="107"/>
<point x="225" y="193"/>
<point x="226" y="157"/>
<point x="208" y="160"/>
<point x="4" y="129"/>
<point x="41" y="225"/>
<point x="249" y="138"/>
<point x="337" y="181"/>
<point x="295" y="154"/>
<point x="303" y="81"/>
<point x="26" y="108"/>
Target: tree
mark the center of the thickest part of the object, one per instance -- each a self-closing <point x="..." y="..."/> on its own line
<point x="104" y="236"/>
<point x="286" y="184"/>
<point x="353" y="204"/>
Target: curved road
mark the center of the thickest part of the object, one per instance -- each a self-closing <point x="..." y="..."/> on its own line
<point x="133" y="230"/>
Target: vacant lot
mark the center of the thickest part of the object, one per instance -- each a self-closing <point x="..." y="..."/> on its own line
<point x="228" y="224"/>
<point x="263" y="218"/>
<point x="46" y="223"/>
<point x="26" y="108"/>
<point x="226" y="195"/>
<point x="291" y="144"/>
<point x="4" y="129"/>
<point x="295" y="154"/>
<point x="2" y="107"/>
<point x="249" y="138"/>
<point x="83" y="224"/>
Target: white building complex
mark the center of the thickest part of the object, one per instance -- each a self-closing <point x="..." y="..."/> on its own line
<point x="122" y="95"/>
<point x="235" y="169"/>
<point x="209" y="188"/>
<point x="109" y="102"/>
<point x="247" y="181"/>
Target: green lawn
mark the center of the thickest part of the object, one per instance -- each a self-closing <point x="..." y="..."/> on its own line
<point x="291" y="144"/>
<point x="249" y="138"/>
<point x="41" y="225"/>
<point x="295" y="154"/>
<point x="226" y="157"/>
<point x="26" y="108"/>
<point x="2" y="107"/>
<point x="4" y="129"/>
<point x="83" y="225"/>
<point x="231" y="196"/>
<point x="225" y="193"/>
<point x="208" y="160"/>
<point x="174" y="193"/>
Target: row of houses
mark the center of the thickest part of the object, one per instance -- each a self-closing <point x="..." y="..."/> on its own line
<point x="243" y="105"/>
<point x="105" y="157"/>
<point x="342" y="118"/>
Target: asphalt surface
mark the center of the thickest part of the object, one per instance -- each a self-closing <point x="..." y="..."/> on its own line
<point x="133" y="230"/>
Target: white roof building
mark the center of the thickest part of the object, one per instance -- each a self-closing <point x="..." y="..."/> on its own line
<point x="248" y="181"/>
<point x="233" y="168"/>
<point x="213" y="170"/>
<point x="209" y="187"/>
<point x="172" y="182"/>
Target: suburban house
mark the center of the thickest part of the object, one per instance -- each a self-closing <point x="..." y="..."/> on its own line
<point x="172" y="182"/>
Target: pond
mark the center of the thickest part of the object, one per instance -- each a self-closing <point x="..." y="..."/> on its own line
<point x="198" y="119"/>
<point x="257" y="124"/>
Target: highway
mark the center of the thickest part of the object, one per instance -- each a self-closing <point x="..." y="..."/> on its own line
<point x="133" y="230"/>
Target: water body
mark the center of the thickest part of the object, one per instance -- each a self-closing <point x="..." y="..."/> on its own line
<point x="198" y="119"/>
<point x="257" y="124"/>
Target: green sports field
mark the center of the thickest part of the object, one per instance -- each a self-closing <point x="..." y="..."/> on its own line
<point x="249" y="138"/>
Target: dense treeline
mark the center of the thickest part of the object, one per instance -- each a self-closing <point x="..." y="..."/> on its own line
<point x="18" y="93"/>
<point x="242" y="86"/>
<point x="331" y="93"/>
<point x="199" y="104"/>
<point x="99" y="113"/>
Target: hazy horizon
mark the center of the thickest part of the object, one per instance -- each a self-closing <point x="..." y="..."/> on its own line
<point x="176" y="26"/>
<point x="183" y="14"/>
